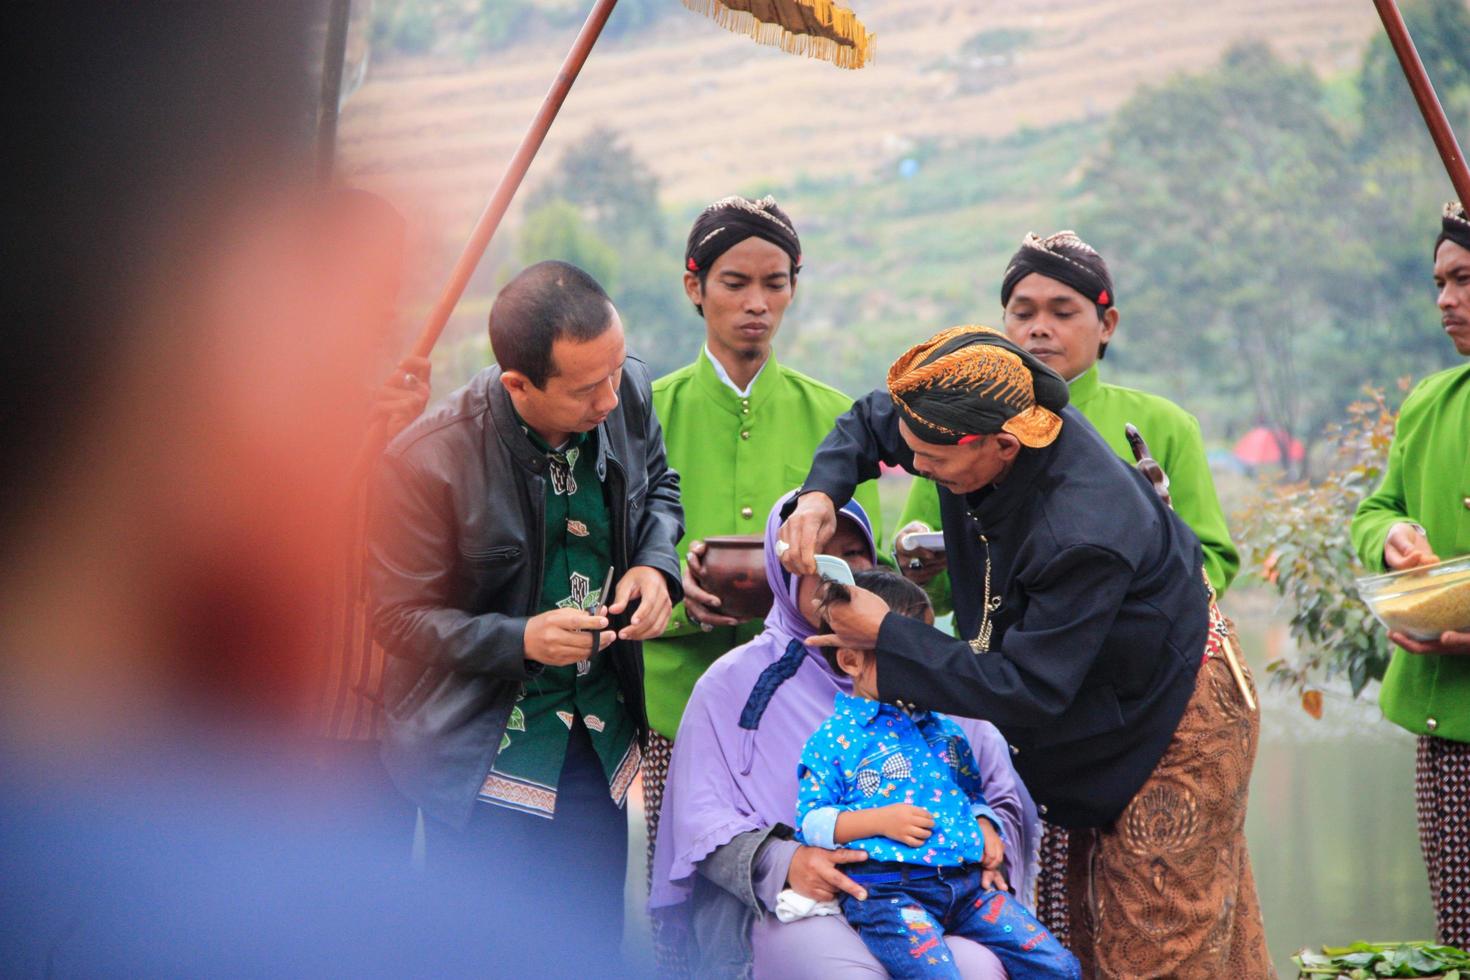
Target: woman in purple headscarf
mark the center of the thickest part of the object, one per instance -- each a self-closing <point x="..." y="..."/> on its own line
<point x="724" y="849"/>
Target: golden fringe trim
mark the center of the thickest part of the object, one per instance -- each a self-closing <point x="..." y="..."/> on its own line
<point x="852" y="47"/>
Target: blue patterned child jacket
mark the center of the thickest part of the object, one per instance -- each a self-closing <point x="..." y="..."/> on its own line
<point x="870" y="754"/>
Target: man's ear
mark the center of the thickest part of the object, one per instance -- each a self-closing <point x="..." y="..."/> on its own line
<point x="793" y="288"/>
<point x="515" y="382"/>
<point x="1007" y="446"/>
<point x="1109" y="324"/>
<point x="693" y="289"/>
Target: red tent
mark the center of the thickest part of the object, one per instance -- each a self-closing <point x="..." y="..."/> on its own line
<point x="1261" y="445"/>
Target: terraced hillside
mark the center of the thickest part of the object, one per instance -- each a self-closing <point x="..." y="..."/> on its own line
<point x="712" y="111"/>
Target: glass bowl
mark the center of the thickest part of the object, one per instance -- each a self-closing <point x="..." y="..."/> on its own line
<point x="1422" y="602"/>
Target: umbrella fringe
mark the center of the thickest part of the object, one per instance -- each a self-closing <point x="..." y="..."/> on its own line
<point x="854" y="50"/>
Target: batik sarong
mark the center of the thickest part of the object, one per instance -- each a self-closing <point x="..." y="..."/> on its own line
<point x="1442" y="799"/>
<point x="1167" y="890"/>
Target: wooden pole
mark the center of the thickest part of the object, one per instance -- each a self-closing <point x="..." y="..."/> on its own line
<point x="1423" y="89"/>
<point x="331" y="97"/>
<point x="490" y="218"/>
<point x="495" y="210"/>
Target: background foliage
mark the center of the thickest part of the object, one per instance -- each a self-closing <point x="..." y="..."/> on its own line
<point x="1296" y="537"/>
<point x="1268" y="231"/>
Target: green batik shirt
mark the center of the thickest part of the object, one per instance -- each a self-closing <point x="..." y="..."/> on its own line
<point x="578" y="554"/>
<point x="1173" y="438"/>
<point x="1427" y="482"/>
<point x="736" y="455"/>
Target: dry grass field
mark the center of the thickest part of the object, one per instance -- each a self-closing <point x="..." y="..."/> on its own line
<point x="712" y="111"/>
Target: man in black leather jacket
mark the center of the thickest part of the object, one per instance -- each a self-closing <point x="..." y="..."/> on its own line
<point x="514" y="688"/>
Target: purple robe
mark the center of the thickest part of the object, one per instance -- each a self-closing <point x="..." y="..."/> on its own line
<point x="725" y="780"/>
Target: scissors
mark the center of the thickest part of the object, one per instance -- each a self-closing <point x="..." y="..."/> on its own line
<point x="591" y="609"/>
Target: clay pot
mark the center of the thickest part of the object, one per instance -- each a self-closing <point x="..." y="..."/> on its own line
<point x="735" y="570"/>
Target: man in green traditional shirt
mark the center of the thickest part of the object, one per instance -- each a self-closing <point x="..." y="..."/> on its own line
<point x="1419" y="515"/>
<point x="1058" y="303"/>
<point x="740" y="429"/>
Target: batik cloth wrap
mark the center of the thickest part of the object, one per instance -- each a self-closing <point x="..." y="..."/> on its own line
<point x="971" y="381"/>
<point x="1065" y="258"/>
<point x="1167" y="889"/>
<point x="577" y="556"/>
<point x="1454" y="227"/>
<point x="730" y="221"/>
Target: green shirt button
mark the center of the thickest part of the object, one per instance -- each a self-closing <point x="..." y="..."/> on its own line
<point x="1431" y="723"/>
<point x="747" y="513"/>
<point x="746" y="435"/>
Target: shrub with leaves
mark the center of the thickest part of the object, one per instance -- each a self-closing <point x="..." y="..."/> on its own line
<point x="1296" y="537"/>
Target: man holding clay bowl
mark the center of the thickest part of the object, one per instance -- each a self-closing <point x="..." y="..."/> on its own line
<point x="740" y="430"/>
<point x="1419" y="515"/>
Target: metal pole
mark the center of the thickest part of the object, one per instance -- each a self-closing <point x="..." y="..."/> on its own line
<point x="338" y="14"/>
<point x="495" y="210"/>
<point x="1419" y="84"/>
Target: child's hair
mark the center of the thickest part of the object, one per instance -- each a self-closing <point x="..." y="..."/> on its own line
<point x="902" y="596"/>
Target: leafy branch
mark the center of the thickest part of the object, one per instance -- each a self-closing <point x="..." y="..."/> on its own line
<point x="1297" y="537"/>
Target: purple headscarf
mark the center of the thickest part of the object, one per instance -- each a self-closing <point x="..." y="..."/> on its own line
<point x="728" y="776"/>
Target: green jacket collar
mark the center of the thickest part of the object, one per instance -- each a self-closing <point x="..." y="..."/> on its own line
<point x="1085" y="387"/>
<point x="724" y="396"/>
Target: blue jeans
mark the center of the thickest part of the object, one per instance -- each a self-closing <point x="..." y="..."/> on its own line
<point x="911" y="908"/>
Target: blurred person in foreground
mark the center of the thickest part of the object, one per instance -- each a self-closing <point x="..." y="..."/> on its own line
<point x="1420" y="515"/>
<point x="514" y="686"/>
<point x="1059" y="303"/>
<point x="345" y="713"/>
<point x="1094" y="645"/>
<point x="741" y="429"/>
<point x="180" y="415"/>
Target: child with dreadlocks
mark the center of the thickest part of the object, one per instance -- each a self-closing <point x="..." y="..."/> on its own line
<point x="903" y="786"/>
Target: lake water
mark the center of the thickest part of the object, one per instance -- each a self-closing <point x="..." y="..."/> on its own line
<point x="1331" y="822"/>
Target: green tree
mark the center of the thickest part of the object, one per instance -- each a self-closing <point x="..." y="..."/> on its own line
<point x="613" y="196"/>
<point x="613" y="189"/>
<point x="1297" y="538"/>
<point x="1441" y="33"/>
<point x="1404" y="182"/>
<point x="1220" y="203"/>
<point x="555" y="230"/>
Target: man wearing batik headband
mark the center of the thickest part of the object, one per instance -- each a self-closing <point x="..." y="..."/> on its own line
<point x="1060" y="305"/>
<point x="1088" y="637"/>
<point x="740" y="429"/>
<point x="1420" y="515"/>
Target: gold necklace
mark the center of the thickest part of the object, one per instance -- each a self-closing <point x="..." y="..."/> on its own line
<point x="981" y="642"/>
